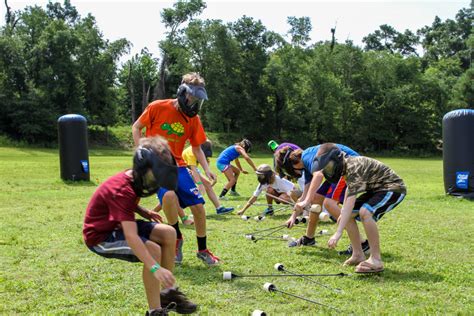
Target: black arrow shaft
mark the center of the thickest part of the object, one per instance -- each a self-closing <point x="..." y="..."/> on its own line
<point x="281" y="275"/>
<point x="313" y="281"/>
<point x="265" y="230"/>
<point x="272" y="232"/>
<point x="304" y="299"/>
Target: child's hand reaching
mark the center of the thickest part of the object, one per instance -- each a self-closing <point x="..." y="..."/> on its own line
<point x="332" y="242"/>
<point x="165" y="277"/>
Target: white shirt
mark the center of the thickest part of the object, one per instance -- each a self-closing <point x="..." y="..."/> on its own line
<point x="280" y="185"/>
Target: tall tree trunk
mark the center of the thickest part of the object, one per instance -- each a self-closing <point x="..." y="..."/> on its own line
<point x="131" y="91"/>
<point x="144" y="95"/>
<point x="159" y="91"/>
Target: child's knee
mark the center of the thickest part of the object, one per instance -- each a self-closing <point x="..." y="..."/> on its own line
<point x="365" y="214"/>
<point x="198" y="210"/>
<point x="170" y="197"/>
<point x="168" y="232"/>
<point x="154" y="249"/>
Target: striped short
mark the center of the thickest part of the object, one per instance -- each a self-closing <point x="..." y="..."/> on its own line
<point x="115" y="246"/>
<point x="378" y="203"/>
<point x="333" y="191"/>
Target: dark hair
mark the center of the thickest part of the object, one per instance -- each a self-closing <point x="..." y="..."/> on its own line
<point x="207" y="148"/>
<point x="285" y="158"/>
<point x="324" y="148"/>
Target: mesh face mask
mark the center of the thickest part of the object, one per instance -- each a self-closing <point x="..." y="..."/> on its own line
<point x="150" y="173"/>
<point x="264" y="177"/>
<point x="190" y="98"/>
<point x="331" y="164"/>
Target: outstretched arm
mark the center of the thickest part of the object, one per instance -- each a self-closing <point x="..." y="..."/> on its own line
<point x="244" y="154"/>
<point x="137" y="131"/>
<point x="199" y="154"/>
<point x="318" y="177"/>
<point x="346" y="212"/>
<point x="247" y="205"/>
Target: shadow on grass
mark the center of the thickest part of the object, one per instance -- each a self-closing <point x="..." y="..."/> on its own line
<point x="389" y="275"/>
<point x="199" y="274"/>
<point x="81" y="183"/>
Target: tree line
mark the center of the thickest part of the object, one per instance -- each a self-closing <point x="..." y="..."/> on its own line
<point x="390" y="94"/>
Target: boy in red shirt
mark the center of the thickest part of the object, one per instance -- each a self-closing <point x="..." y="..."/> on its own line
<point x="111" y="231"/>
<point x="177" y="121"/>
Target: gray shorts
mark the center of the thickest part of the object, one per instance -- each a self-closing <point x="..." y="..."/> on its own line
<point x="115" y="246"/>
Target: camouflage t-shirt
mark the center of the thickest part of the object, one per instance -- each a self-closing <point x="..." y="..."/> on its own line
<point x="364" y="174"/>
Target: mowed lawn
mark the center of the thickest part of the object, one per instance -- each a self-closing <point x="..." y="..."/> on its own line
<point x="46" y="269"/>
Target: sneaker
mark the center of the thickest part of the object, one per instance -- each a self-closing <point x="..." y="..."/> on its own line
<point x="208" y="257"/>
<point x="268" y="211"/>
<point x="223" y="198"/>
<point x="234" y="193"/>
<point x="182" y="304"/>
<point x="302" y="241"/>
<point x="163" y="311"/>
<point x="348" y="251"/>
<point x="178" y="259"/>
<point x="224" y="210"/>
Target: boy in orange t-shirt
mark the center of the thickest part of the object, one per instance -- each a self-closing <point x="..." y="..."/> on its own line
<point x="177" y="121"/>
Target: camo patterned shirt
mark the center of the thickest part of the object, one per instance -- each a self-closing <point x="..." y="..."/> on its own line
<point x="364" y="174"/>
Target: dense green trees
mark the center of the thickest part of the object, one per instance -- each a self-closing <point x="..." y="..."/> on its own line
<point x="54" y="62"/>
<point x="389" y="95"/>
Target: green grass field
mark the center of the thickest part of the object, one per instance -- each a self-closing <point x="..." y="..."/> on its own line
<point x="46" y="269"/>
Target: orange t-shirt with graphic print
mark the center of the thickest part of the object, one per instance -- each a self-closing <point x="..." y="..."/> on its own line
<point x="162" y="118"/>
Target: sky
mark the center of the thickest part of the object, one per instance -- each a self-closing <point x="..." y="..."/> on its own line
<point x="139" y="21"/>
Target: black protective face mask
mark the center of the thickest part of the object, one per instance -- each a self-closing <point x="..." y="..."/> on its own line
<point x="190" y="99"/>
<point x="190" y="110"/>
<point x="264" y="177"/>
<point x="333" y="171"/>
<point x="150" y="173"/>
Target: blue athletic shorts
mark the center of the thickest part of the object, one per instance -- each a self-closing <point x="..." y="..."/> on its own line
<point x="115" y="246"/>
<point x="187" y="192"/>
<point x="377" y="203"/>
<point x="222" y="167"/>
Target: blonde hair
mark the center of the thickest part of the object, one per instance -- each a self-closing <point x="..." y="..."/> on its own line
<point x="160" y="146"/>
<point x="194" y="79"/>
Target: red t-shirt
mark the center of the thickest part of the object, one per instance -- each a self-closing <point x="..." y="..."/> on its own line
<point x="113" y="201"/>
<point x="162" y="118"/>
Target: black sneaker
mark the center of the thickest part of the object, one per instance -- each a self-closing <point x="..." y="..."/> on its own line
<point x="348" y="251"/>
<point x="163" y="311"/>
<point x="268" y="211"/>
<point x="303" y="241"/>
<point x="183" y="304"/>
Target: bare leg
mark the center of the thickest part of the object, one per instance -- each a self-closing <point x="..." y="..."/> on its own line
<point x="236" y="173"/>
<point x="199" y="214"/>
<point x="284" y="197"/>
<point x="171" y="207"/>
<point x="152" y="285"/>
<point x="165" y="236"/>
<point x="295" y="195"/>
<point x="314" y="217"/>
<point x="332" y="206"/>
<point x="354" y="236"/>
<point x="210" y="192"/>
<point x="229" y="173"/>
<point x="271" y="191"/>
<point x="372" y="232"/>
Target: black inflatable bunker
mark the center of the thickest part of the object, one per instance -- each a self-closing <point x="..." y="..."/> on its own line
<point x="73" y="147"/>
<point x="458" y="152"/>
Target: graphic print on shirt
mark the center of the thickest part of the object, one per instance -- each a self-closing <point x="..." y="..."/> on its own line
<point x="174" y="128"/>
